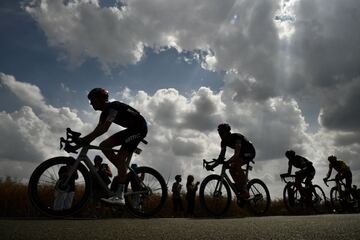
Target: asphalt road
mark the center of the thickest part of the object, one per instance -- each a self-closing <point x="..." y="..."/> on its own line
<point x="322" y="227"/>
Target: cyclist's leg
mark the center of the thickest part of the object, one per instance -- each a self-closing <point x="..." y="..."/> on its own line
<point x="338" y="178"/>
<point x="117" y="159"/>
<point x="238" y="175"/>
<point x="299" y="177"/>
<point x="310" y="173"/>
<point x="348" y="180"/>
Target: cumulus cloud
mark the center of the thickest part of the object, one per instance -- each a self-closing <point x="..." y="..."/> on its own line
<point x="274" y="125"/>
<point x="319" y="52"/>
<point x="31" y="134"/>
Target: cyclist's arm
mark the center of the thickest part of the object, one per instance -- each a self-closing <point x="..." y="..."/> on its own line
<point x="104" y="123"/>
<point x="329" y="172"/>
<point x="100" y="129"/>
<point x="289" y="168"/>
<point x="223" y="151"/>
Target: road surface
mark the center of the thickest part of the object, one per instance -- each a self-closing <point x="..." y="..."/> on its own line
<point x="321" y="227"/>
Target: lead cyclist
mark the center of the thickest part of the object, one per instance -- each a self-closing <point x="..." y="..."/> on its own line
<point x="135" y="130"/>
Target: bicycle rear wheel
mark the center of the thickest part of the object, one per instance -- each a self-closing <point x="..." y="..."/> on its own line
<point x="145" y="192"/>
<point x="215" y="195"/>
<point x="318" y="199"/>
<point x="48" y="193"/>
<point x="259" y="200"/>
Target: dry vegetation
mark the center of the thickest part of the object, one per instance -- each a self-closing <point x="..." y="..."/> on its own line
<point x="14" y="202"/>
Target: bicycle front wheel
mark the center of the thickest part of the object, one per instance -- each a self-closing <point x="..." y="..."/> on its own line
<point x="215" y="195"/>
<point x="337" y="202"/>
<point x="318" y="199"/>
<point x="292" y="198"/>
<point x="259" y="200"/>
<point x="145" y="192"/>
<point x="49" y="194"/>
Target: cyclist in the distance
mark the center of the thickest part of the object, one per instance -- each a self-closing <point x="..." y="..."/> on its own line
<point x="307" y="170"/>
<point x="244" y="152"/>
<point x="135" y="130"/>
<point x="342" y="169"/>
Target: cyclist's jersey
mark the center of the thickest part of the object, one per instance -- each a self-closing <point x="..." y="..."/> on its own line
<point x="299" y="162"/>
<point x="237" y="138"/>
<point x="340" y="166"/>
<point x="123" y="115"/>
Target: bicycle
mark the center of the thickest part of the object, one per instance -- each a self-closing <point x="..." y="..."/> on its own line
<point x="299" y="200"/>
<point x="341" y="199"/>
<point x="215" y="195"/>
<point x="145" y="189"/>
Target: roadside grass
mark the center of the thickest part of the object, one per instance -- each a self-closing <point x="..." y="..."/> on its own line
<point x="14" y="202"/>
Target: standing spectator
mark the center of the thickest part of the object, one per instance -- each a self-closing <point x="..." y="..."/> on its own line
<point x="105" y="173"/>
<point x="64" y="195"/>
<point x="191" y="189"/>
<point x="103" y="170"/>
<point x="177" y="201"/>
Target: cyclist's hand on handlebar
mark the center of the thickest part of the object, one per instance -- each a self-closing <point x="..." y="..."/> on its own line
<point x="209" y="167"/>
<point x="80" y="141"/>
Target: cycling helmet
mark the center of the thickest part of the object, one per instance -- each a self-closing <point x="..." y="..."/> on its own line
<point x="98" y="93"/>
<point x="224" y="127"/>
<point x="290" y="154"/>
<point x="332" y="158"/>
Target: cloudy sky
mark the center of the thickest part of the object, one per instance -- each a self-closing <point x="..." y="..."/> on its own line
<point x="285" y="73"/>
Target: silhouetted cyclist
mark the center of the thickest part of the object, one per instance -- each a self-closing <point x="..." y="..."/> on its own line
<point x="244" y="152"/>
<point x="343" y="171"/>
<point x="307" y="170"/>
<point x="125" y="116"/>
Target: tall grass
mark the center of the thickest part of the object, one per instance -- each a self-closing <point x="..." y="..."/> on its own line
<point x="14" y="202"/>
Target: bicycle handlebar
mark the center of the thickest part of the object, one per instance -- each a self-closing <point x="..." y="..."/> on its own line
<point x="210" y="165"/>
<point x="285" y="175"/>
<point x="329" y="180"/>
<point x="71" y="138"/>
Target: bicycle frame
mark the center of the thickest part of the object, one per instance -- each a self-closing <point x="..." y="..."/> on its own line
<point x="82" y="157"/>
<point x="340" y="185"/>
<point x="225" y="177"/>
<point x="302" y="188"/>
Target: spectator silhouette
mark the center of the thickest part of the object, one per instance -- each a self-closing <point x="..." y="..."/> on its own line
<point x="191" y="189"/>
<point x="64" y="195"/>
<point x="105" y="173"/>
<point x="177" y="201"/>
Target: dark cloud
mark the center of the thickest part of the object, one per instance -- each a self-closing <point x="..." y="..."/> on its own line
<point x="341" y="111"/>
<point x="186" y="147"/>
